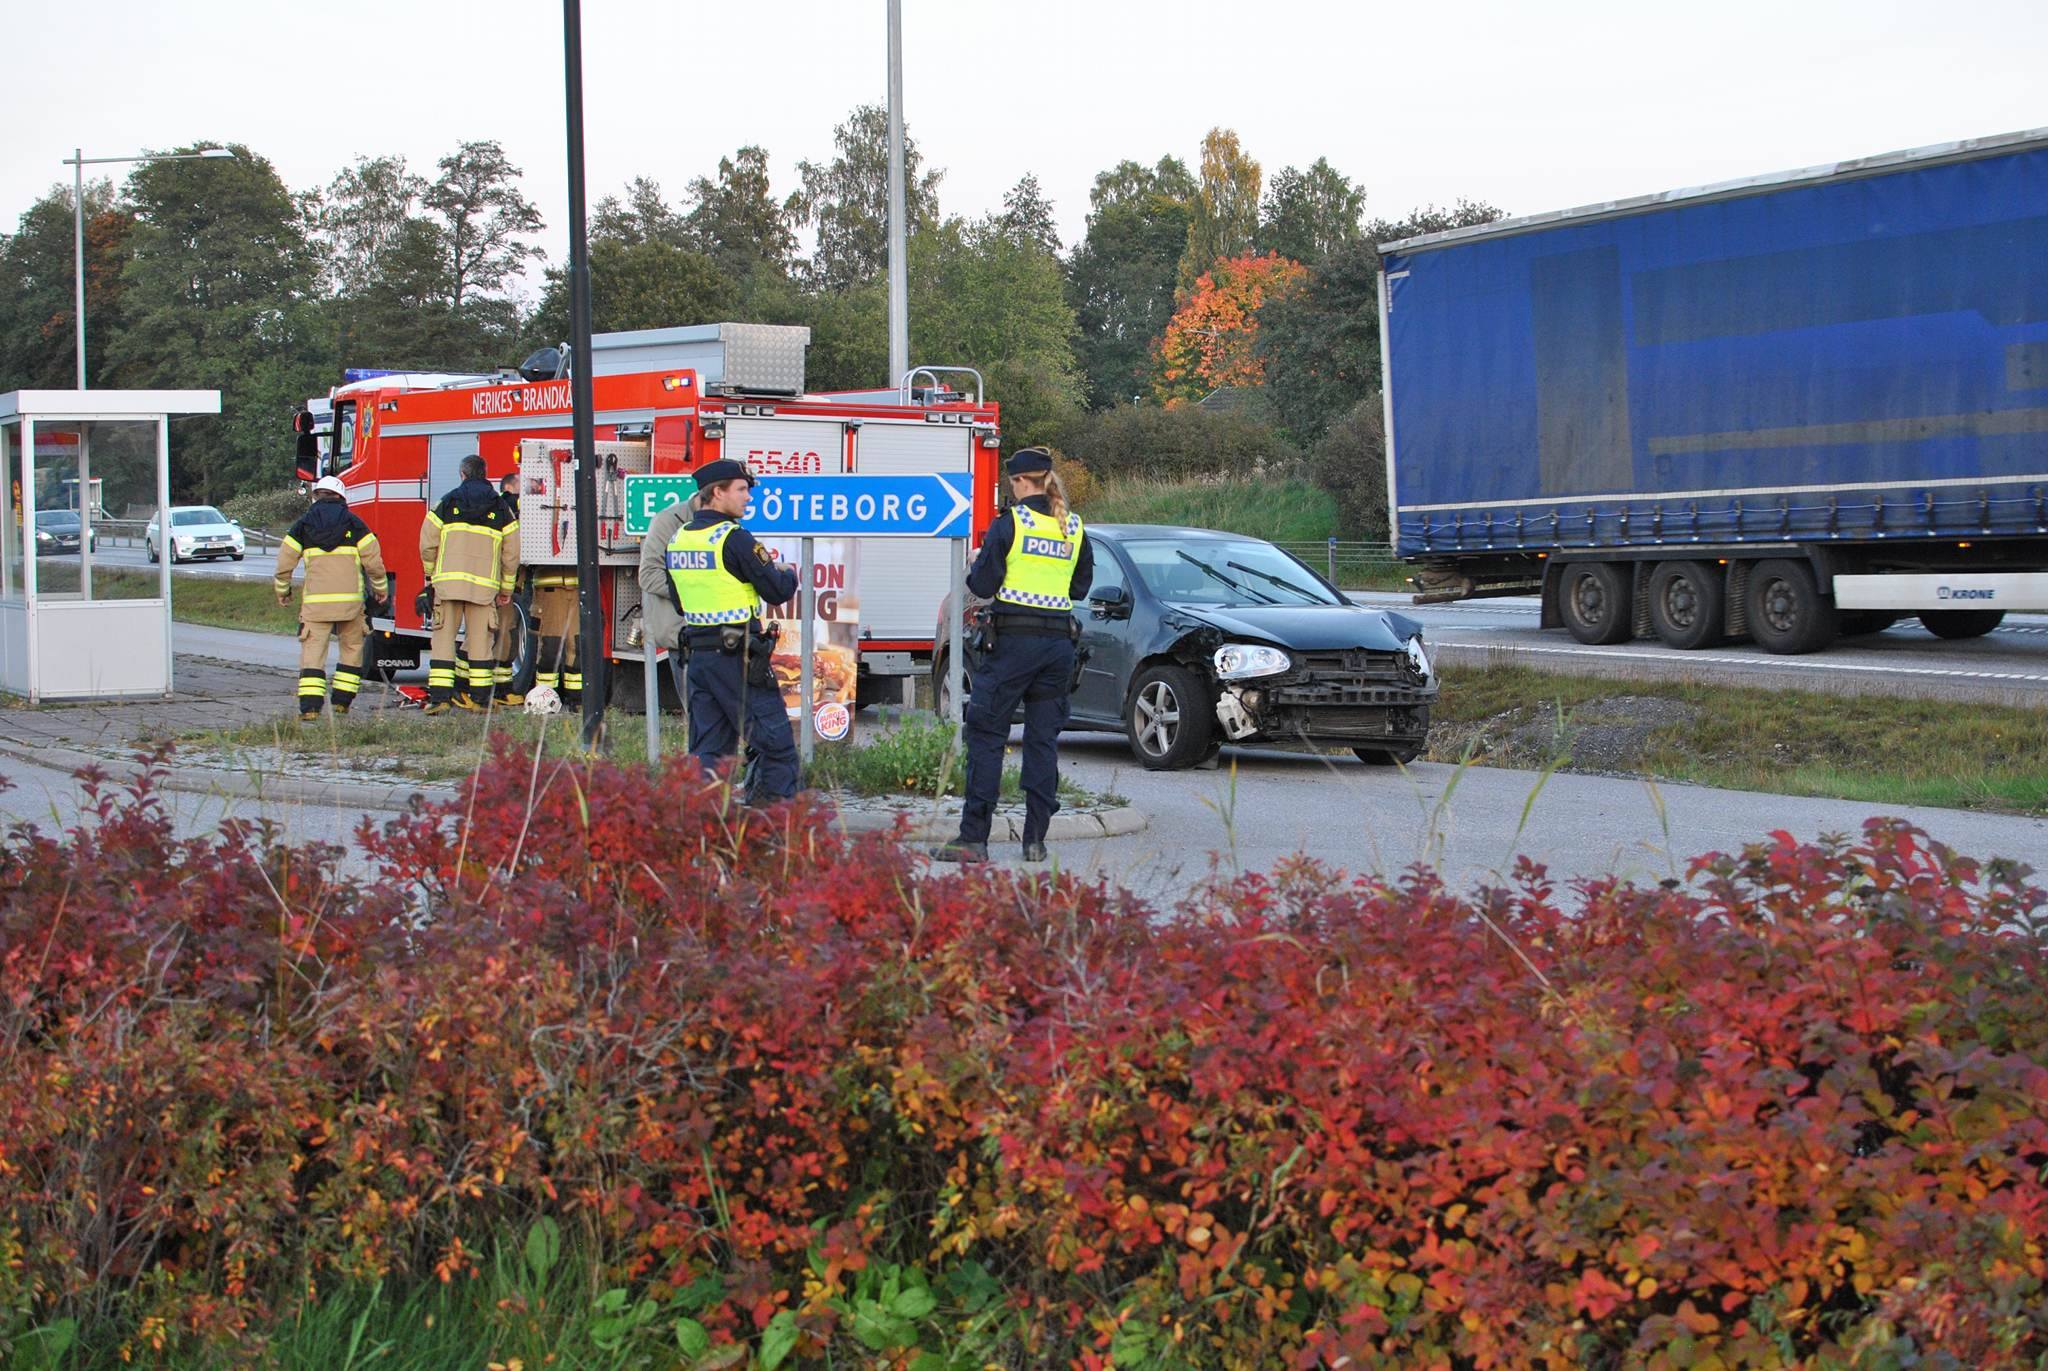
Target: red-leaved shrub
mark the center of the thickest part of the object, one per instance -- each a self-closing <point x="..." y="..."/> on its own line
<point x="1791" y="1111"/>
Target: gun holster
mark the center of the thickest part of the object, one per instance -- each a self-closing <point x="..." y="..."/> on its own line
<point x="978" y="636"/>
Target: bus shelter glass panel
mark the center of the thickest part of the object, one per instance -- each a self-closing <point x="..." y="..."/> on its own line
<point x="58" y="532"/>
<point x="11" y="526"/>
<point x="120" y="498"/>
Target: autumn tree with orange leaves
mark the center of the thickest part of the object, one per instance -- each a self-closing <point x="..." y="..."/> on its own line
<point x="1212" y="340"/>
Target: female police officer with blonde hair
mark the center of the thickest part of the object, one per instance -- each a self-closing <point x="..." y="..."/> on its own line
<point x="1035" y="563"/>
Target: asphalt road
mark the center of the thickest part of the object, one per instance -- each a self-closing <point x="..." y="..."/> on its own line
<point x="257" y="566"/>
<point x="1259" y="808"/>
<point x="2007" y="666"/>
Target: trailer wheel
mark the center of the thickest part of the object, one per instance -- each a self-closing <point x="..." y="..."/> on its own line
<point x="1593" y="597"/>
<point x="1787" y="613"/>
<point x="1687" y="605"/>
<point x="1962" y="623"/>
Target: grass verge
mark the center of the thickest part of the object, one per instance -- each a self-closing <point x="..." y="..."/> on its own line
<point x="1871" y="748"/>
<point x="214" y="600"/>
<point x="1278" y="511"/>
<point x="406" y="745"/>
<point x="1292" y="511"/>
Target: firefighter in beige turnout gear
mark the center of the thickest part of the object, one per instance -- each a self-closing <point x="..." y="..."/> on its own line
<point x="469" y="550"/>
<point x="339" y="551"/>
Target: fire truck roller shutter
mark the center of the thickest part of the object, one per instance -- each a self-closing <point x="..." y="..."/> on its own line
<point x="903" y="579"/>
<point x="445" y="452"/>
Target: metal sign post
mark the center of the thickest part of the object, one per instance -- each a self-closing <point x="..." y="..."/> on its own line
<point x="956" y="655"/>
<point x="807" y="635"/>
<point x="652" y="683"/>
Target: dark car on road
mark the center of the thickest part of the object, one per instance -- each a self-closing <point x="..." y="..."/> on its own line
<point x="1197" y="638"/>
<point x="60" y="530"/>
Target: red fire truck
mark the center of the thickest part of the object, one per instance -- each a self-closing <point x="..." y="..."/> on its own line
<point x="666" y="402"/>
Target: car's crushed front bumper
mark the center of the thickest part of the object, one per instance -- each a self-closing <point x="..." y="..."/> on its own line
<point x="1356" y="697"/>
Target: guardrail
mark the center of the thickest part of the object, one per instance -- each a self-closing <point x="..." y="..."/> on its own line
<point x="129" y="533"/>
<point x="1355" y="563"/>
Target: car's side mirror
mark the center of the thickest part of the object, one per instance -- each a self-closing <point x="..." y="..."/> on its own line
<point x="1110" y="602"/>
<point x="236" y="522"/>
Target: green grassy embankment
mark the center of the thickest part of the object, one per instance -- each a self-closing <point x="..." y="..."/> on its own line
<point x="1876" y="749"/>
<point x="1288" y="511"/>
<point x="213" y="600"/>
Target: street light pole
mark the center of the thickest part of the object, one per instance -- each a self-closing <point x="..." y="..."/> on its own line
<point x="78" y="162"/>
<point x="899" y="278"/>
<point x="590" y="609"/>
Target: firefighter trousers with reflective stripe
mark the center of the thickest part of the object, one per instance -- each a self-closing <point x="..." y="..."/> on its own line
<point x="559" y="660"/>
<point x="727" y="714"/>
<point x="352" y="634"/>
<point x="1036" y="671"/>
<point x="472" y="618"/>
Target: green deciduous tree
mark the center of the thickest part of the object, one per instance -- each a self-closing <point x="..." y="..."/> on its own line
<point x="1321" y="344"/>
<point x="848" y="200"/>
<point x="1350" y="461"/>
<point x="736" y="220"/>
<point x="363" y="214"/>
<point x="219" y="295"/>
<point x="1121" y="276"/>
<point x="1028" y="216"/>
<point x="642" y="216"/>
<point x="648" y="284"/>
<point x="1225" y="221"/>
<point x="37" y="285"/>
<point x="1308" y="215"/>
<point x="485" y="219"/>
<point x="983" y="296"/>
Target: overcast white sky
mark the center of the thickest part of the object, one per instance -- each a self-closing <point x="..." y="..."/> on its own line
<point x="1532" y="106"/>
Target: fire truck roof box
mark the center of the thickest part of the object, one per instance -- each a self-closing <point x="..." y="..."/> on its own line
<point x="751" y="359"/>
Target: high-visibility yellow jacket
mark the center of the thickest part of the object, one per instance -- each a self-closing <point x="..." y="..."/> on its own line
<point x="469" y="544"/>
<point x="339" y="551"/>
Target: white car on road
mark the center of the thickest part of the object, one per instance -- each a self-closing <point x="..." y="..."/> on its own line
<point x="196" y="531"/>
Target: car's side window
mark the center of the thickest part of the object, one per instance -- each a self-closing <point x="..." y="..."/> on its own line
<point x="1108" y="571"/>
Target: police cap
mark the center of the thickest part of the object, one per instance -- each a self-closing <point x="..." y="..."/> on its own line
<point x="722" y="470"/>
<point x="1026" y="460"/>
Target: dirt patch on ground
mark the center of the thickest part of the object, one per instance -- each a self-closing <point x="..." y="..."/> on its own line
<point x="1604" y="736"/>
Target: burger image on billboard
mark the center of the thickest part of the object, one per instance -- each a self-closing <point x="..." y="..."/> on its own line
<point x="835" y="637"/>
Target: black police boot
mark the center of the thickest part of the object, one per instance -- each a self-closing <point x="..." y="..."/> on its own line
<point x="958" y="851"/>
<point x="1034" y="852"/>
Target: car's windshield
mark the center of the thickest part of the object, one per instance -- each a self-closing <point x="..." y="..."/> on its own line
<point x="204" y="514"/>
<point x="1218" y="572"/>
<point x="57" y="518"/>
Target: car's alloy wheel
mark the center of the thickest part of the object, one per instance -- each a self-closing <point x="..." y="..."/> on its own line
<point x="1168" y="720"/>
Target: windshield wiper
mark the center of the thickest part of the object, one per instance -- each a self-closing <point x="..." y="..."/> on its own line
<point x="1214" y="574"/>
<point x="1279" y="581"/>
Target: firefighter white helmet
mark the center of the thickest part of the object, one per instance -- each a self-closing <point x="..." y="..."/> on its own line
<point x="543" y="700"/>
<point x="331" y="485"/>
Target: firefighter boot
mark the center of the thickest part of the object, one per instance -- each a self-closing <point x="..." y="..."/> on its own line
<point x="347" y="685"/>
<point x="440" y="685"/>
<point x="312" y="693"/>
<point x="507" y="696"/>
<point x="474" y="694"/>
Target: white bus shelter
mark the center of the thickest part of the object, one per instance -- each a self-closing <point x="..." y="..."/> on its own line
<point x="78" y="468"/>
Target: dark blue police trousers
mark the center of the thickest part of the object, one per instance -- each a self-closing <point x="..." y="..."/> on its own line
<point x="723" y="709"/>
<point x="1037" y="670"/>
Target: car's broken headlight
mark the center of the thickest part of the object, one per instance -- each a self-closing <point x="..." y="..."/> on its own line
<point x="1418" y="658"/>
<point x="1241" y="661"/>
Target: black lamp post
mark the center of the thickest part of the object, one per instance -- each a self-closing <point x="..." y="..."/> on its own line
<point x="590" y="608"/>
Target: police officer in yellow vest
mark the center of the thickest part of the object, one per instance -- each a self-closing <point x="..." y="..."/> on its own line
<point x="720" y="577"/>
<point x="469" y="549"/>
<point x="339" y="551"/>
<point x="1035" y="563"/>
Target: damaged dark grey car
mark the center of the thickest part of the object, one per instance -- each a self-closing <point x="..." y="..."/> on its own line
<point x="1196" y="639"/>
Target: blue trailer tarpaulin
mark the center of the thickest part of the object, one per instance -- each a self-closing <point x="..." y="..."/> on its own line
<point x="1858" y="353"/>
